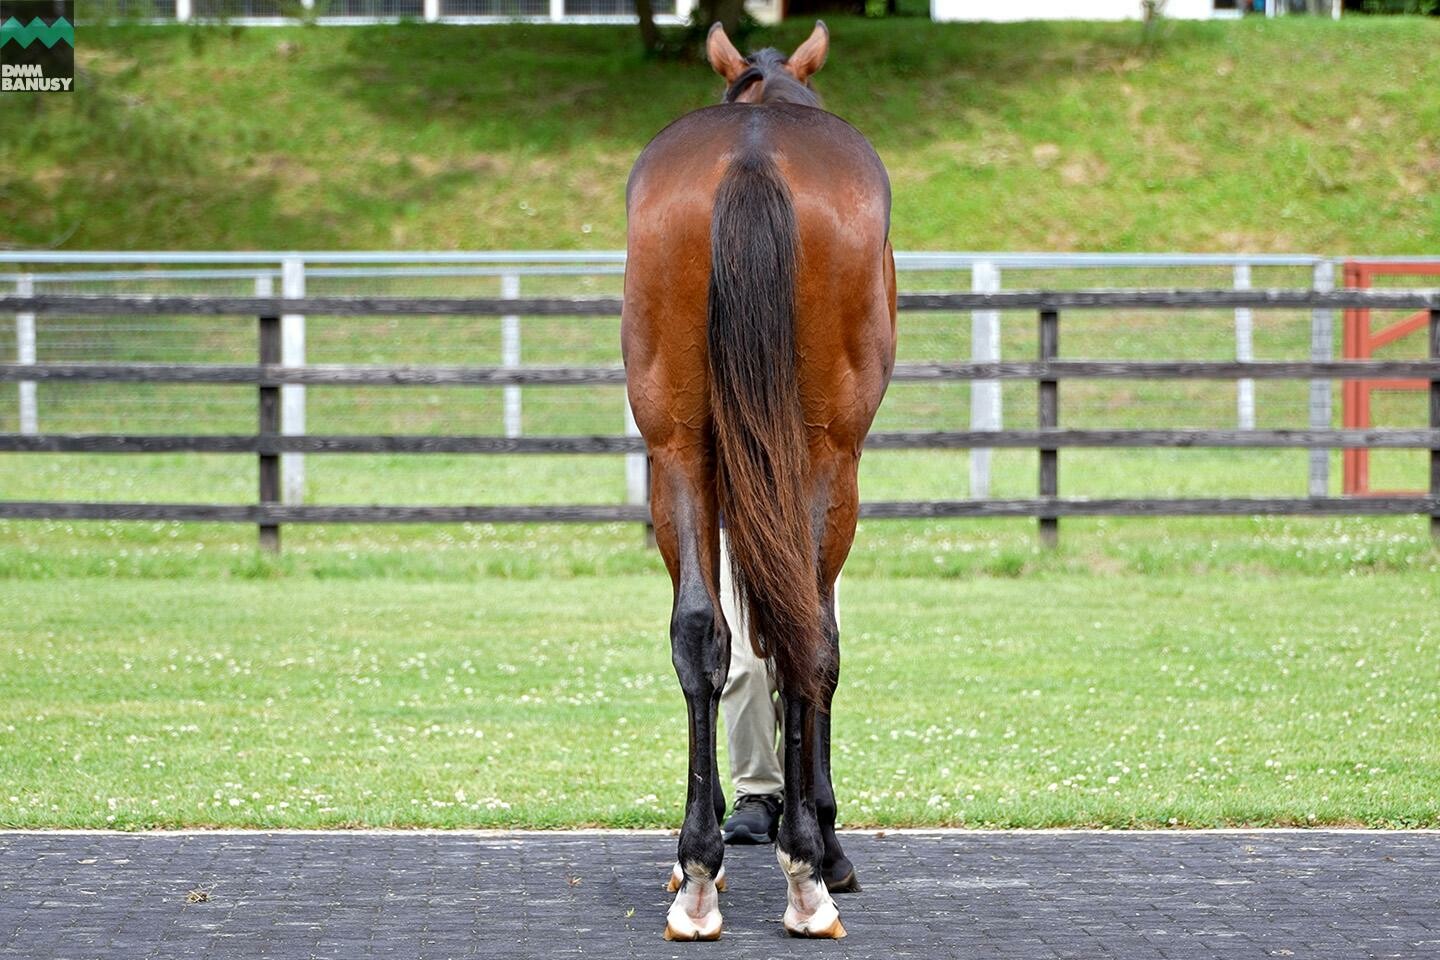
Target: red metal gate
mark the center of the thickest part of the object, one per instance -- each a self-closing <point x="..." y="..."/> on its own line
<point x="1360" y="342"/>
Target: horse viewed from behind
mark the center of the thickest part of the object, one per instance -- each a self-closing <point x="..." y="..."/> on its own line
<point x="758" y="331"/>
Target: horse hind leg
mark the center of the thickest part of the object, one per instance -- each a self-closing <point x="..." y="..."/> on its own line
<point x="838" y="503"/>
<point x="810" y="911"/>
<point x="687" y="533"/>
<point x="838" y="871"/>
<point x="807" y="847"/>
<point x="677" y="873"/>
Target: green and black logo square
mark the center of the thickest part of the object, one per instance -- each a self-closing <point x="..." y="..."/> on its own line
<point x="37" y="46"/>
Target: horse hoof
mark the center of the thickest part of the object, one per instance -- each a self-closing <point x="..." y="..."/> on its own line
<point x="694" y="935"/>
<point x="846" y="884"/>
<point x="834" y="930"/>
<point x="812" y="913"/>
<point x="681" y="926"/>
<point x="677" y="877"/>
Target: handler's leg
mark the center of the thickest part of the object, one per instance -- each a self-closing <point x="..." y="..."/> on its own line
<point x="752" y="712"/>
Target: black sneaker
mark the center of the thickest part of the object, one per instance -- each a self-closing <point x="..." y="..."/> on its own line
<point x="753" y="820"/>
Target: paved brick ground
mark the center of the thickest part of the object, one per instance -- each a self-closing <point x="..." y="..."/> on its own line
<point x="1173" y="896"/>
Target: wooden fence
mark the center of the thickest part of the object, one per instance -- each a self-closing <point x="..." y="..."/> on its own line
<point x="1047" y="370"/>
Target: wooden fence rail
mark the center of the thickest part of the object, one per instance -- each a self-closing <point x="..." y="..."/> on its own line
<point x="274" y="514"/>
<point x="270" y="443"/>
<point x="168" y="304"/>
<point x="354" y="375"/>
<point x="268" y="375"/>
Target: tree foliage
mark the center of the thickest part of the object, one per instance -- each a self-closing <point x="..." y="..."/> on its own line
<point x="690" y="39"/>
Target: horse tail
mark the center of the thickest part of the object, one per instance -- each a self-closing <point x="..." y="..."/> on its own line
<point x="760" y="443"/>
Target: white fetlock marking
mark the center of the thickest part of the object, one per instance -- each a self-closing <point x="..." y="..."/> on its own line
<point x="810" y="907"/>
<point x="677" y="877"/>
<point x="794" y="869"/>
<point x="695" y="914"/>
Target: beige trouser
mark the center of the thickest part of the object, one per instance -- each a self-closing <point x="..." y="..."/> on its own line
<point x="751" y="708"/>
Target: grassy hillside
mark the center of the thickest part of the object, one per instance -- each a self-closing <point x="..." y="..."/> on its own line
<point x="1294" y="134"/>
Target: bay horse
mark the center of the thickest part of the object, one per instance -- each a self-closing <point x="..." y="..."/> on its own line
<point x="758" y="331"/>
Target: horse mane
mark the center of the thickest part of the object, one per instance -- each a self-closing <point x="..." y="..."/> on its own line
<point x="768" y="67"/>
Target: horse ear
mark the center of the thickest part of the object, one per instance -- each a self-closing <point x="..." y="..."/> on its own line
<point x="722" y="53"/>
<point x="809" y="57"/>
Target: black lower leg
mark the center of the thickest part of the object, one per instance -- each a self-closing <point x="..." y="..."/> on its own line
<point x="839" y="872"/>
<point x="700" y="850"/>
<point x="700" y="652"/>
<point x="718" y="792"/>
<point x="799" y="835"/>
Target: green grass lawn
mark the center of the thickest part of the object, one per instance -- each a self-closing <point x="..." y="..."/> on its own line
<point x="1056" y="699"/>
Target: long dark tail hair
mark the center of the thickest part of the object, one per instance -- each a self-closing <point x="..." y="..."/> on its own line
<point x="760" y="440"/>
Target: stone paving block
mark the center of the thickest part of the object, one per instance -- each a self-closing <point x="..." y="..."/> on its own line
<point x="1029" y="896"/>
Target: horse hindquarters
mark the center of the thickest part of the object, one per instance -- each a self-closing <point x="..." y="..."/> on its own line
<point x="711" y="357"/>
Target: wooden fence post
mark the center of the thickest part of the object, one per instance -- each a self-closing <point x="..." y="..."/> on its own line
<point x="1435" y="421"/>
<point x="269" y="430"/>
<point x="1049" y="419"/>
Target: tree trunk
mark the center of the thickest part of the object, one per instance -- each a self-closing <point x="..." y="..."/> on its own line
<point x="807" y="8"/>
<point x="726" y="12"/>
<point x="649" y="33"/>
